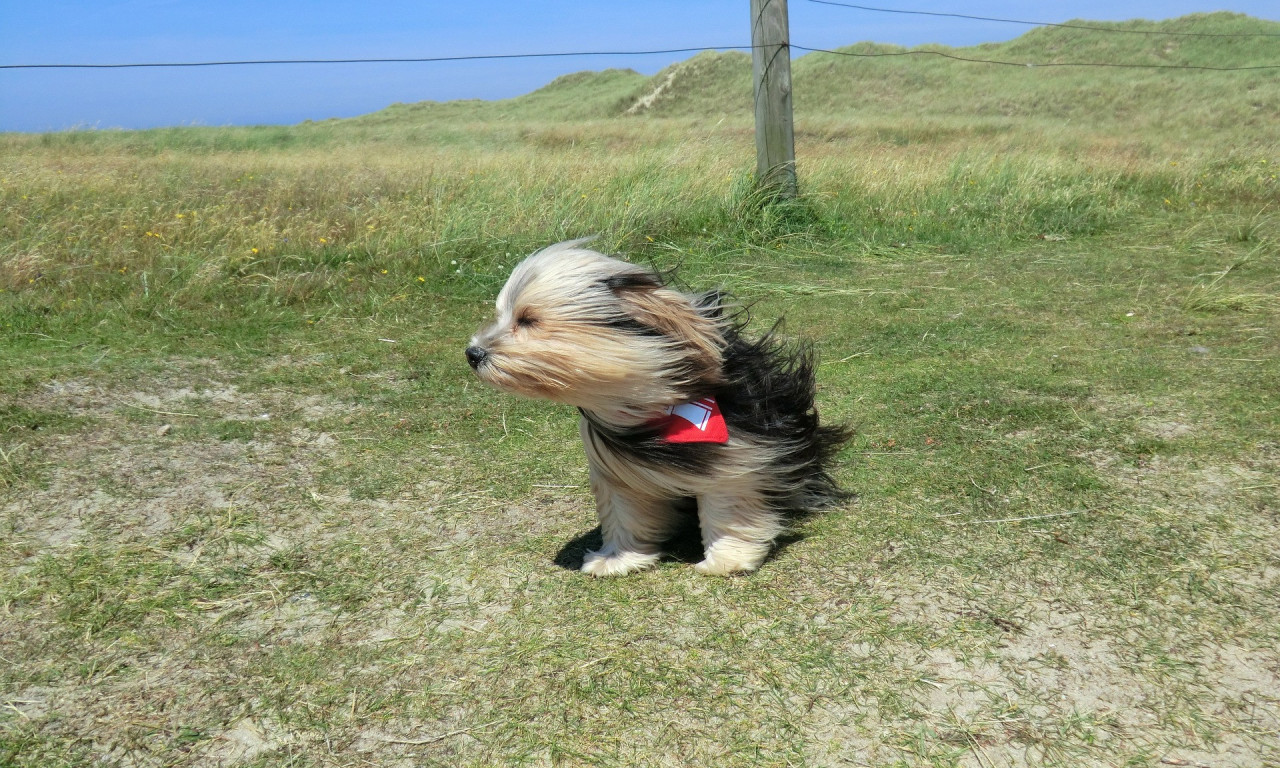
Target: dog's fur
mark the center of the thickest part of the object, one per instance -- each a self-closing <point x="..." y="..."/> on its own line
<point x="617" y="341"/>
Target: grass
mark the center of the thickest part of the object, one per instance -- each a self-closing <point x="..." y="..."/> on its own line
<point x="256" y="511"/>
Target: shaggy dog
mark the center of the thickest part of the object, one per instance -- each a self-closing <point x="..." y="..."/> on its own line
<point x="676" y="405"/>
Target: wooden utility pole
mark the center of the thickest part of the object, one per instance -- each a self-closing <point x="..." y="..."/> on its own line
<point x="771" y="67"/>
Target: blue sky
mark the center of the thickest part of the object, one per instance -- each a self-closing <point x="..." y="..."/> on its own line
<point x="103" y="31"/>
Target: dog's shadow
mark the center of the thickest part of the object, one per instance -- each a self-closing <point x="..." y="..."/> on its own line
<point x="684" y="545"/>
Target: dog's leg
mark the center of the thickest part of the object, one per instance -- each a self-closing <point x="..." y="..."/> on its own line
<point x="632" y="527"/>
<point x="633" y="524"/>
<point x="738" y="530"/>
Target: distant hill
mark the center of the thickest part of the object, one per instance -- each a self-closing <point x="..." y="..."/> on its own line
<point x="863" y="82"/>
<point x="577" y="96"/>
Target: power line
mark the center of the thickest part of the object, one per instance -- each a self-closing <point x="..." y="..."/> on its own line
<point x="699" y="49"/>
<point x="1048" y="23"/>
<point x="427" y="59"/>
<point x="1030" y="64"/>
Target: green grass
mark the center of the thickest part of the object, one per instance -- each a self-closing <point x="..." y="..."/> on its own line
<point x="254" y="508"/>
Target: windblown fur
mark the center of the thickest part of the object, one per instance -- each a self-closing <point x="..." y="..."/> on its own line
<point x="618" y="342"/>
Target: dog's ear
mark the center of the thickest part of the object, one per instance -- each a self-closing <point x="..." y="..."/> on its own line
<point x="630" y="281"/>
<point x="652" y="304"/>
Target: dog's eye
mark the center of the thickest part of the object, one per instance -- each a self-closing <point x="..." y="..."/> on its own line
<point x="526" y="321"/>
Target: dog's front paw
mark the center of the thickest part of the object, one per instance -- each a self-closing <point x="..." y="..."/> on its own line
<point x="711" y="567"/>
<point x="606" y="563"/>
<point x="723" y="561"/>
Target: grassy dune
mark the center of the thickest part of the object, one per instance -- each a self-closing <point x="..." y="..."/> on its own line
<point x="254" y="509"/>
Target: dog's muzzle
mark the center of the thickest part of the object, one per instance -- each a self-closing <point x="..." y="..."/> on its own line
<point x="476" y="356"/>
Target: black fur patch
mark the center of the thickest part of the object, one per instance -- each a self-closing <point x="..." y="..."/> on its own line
<point x="769" y="393"/>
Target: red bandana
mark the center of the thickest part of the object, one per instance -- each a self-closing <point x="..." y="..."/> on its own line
<point x="697" y="422"/>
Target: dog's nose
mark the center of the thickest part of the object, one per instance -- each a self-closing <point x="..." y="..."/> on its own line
<point x="476" y="356"/>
